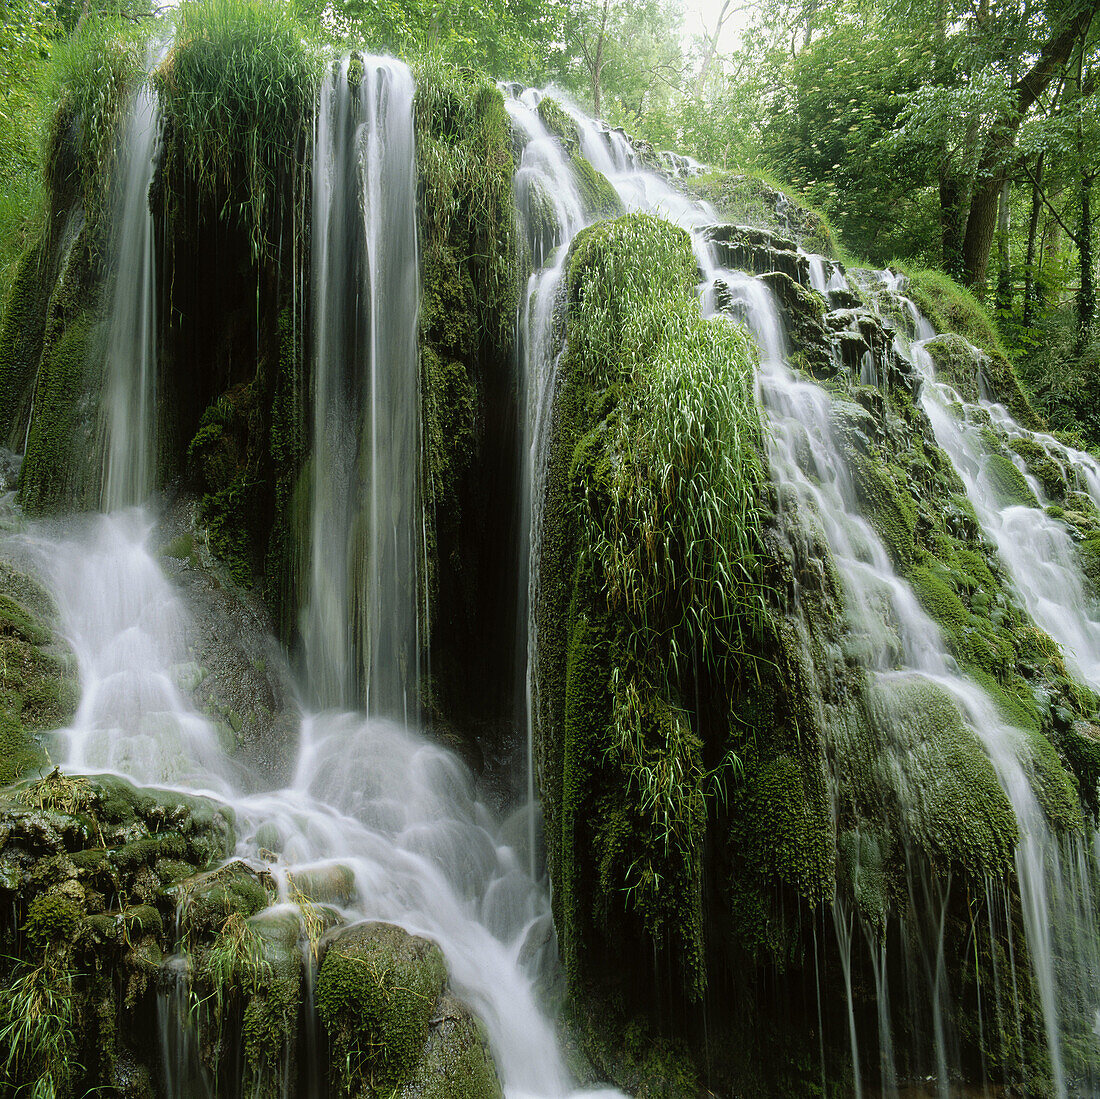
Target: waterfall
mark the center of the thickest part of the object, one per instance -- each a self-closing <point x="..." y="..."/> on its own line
<point x="131" y="365"/>
<point x="360" y="625"/>
<point x="371" y="802"/>
<point x="372" y="805"/>
<point x="550" y="215"/>
<point x="896" y="641"/>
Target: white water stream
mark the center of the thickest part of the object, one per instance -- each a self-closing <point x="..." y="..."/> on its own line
<point x="130" y="406"/>
<point x="360" y="626"/>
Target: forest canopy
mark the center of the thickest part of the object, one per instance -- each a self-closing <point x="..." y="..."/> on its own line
<point x="956" y="136"/>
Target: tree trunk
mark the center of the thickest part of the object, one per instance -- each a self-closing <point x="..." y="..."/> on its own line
<point x="952" y="219"/>
<point x="992" y="166"/>
<point x="1030" y="288"/>
<point x="1004" y="259"/>
<point x="1086" y="295"/>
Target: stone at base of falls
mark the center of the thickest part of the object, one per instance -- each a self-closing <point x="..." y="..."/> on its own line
<point x="86" y="912"/>
<point x="393" y="1027"/>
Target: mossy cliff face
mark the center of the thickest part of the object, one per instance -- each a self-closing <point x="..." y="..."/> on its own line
<point x="857" y="790"/>
<point x="38" y="688"/>
<point x="683" y="785"/>
<point x="469" y="297"/>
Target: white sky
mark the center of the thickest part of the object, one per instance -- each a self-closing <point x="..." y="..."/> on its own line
<point x="700" y="15"/>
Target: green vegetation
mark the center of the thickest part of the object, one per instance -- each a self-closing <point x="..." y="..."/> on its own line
<point x="654" y="584"/>
<point x="93" y="73"/>
<point x="376" y="994"/>
<point x="237" y="92"/>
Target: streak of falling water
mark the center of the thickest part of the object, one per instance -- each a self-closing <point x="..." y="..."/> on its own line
<point x="131" y="367"/>
<point x="550" y="215"/>
<point x="360" y="625"/>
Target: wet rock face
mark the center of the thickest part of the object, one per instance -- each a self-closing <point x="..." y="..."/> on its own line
<point x="758" y="251"/>
<point x="238" y="675"/>
<point x="394" y="1029"/>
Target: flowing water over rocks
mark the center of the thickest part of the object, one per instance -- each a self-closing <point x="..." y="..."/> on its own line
<point x="348" y="842"/>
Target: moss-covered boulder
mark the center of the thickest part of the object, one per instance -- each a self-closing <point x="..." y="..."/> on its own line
<point x="456" y="1062"/>
<point x="757" y="201"/>
<point x="380" y="997"/>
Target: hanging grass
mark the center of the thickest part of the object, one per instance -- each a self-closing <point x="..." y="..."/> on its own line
<point x="656" y="511"/>
<point x="238" y="92"/>
<point x="92" y="75"/>
<point x="679" y="534"/>
<point x="37" y="1046"/>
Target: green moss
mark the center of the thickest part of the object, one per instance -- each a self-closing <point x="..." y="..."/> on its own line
<point x="1007" y="482"/>
<point x="757" y="199"/>
<point x="376" y="993"/>
<point x="38" y="688"/>
<point x="951" y="802"/>
<point x="1054" y="789"/>
<point x="1080" y="744"/>
<point x="1088" y="553"/>
<point x="598" y="198"/>
<point x="21" y="335"/>
<point x="888" y="507"/>
<point x="557" y="121"/>
<point x="956" y="363"/>
<point x="209" y="901"/>
<point x="1042" y="466"/>
<point x="51" y="919"/>
<point x="456" y="1063"/>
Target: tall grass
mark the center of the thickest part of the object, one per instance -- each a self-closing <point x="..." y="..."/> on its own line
<point x="37" y="1049"/>
<point x="91" y="77"/>
<point x="238" y="92"/>
<point x="670" y="508"/>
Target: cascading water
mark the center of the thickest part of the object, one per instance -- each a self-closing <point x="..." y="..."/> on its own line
<point x="896" y="641"/>
<point x="389" y="818"/>
<point x="550" y="215"/>
<point x="360" y="624"/>
<point x="131" y="365"/>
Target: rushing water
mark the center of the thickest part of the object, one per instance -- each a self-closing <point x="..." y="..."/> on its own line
<point x="360" y="624"/>
<point x="389" y="820"/>
<point x="895" y="639"/>
<point x="131" y="365"/>
<point x="392" y="822"/>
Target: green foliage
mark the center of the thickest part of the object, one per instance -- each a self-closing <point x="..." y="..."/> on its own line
<point x="655" y="513"/>
<point x="951" y="307"/>
<point x="37" y="1011"/>
<point x="238" y="91"/>
<point x="92" y="75"/>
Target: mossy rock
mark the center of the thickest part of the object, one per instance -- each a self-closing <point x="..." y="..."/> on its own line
<point x="757" y="201"/>
<point x="949" y="797"/>
<point x="1007" y="483"/>
<point x="557" y="120"/>
<point x="233" y="890"/>
<point x="39" y="691"/>
<point x="598" y="198"/>
<point x="1043" y="467"/>
<point x="377" y="992"/>
<point x="21" y="334"/>
<point x="456" y="1062"/>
